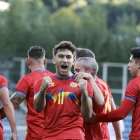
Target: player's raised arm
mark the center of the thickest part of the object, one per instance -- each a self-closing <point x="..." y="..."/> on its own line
<point x="86" y="101"/>
<point x="99" y="99"/>
<point x="39" y="98"/>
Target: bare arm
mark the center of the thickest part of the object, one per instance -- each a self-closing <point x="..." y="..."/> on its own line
<point x="98" y="95"/>
<point x="9" y="111"/>
<point x="116" y="125"/>
<point x="39" y="98"/>
<point x="86" y="101"/>
<point x="16" y="99"/>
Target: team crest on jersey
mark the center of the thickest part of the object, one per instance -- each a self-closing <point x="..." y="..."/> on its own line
<point x="73" y="84"/>
<point x="52" y="84"/>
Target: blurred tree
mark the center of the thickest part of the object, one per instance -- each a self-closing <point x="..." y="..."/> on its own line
<point x="26" y="23"/>
<point x="116" y="12"/>
<point x="56" y="4"/>
<point x="125" y="34"/>
<point x="93" y="32"/>
<point x="31" y="22"/>
<point x="64" y="24"/>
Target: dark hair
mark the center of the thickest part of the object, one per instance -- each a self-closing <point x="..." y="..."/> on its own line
<point x="135" y="52"/>
<point x="36" y="52"/>
<point x="84" y="52"/>
<point x="64" y="45"/>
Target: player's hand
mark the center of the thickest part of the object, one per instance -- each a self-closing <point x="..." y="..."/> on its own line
<point x="46" y="81"/>
<point x="14" y="136"/>
<point x="82" y="75"/>
<point x="92" y="119"/>
<point x="82" y="85"/>
<point x="119" y="138"/>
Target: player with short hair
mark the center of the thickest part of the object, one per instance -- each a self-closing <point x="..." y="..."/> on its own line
<point x="24" y="90"/>
<point x="63" y="100"/>
<point x="88" y="67"/>
<point x="131" y="101"/>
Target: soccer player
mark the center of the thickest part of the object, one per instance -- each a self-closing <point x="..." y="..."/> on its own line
<point x="88" y="68"/>
<point x="8" y="108"/>
<point x="64" y="101"/>
<point x="131" y="99"/>
<point x="36" y="62"/>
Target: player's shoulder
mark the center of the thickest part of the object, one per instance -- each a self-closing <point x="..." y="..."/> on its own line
<point x="3" y="80"/>
<point x="49" y="73"/>
<point x="100" y="81"/>
<point x="2" y="77"/>
<point x="40" y="72"/>
<point x="26" y="76"/>
<point x="134" y="81"/>
<point x="33" y="76"/>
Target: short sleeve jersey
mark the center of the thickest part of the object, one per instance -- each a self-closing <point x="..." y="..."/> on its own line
<point x="35" y="121"/>
<point x="99" y="131"/>
<point x="63" y="116"/>
<point x="133" y="93"/>
<point x="3" y="83"/>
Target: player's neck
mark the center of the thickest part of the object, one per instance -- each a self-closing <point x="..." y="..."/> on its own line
<point x="35" y="68"/>
<point x="64" y="76"/>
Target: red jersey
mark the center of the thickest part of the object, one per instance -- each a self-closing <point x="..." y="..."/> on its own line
<point x="35" y="121"/>
<point x="3" y="83"/>
<point x="133" y="93"/>
<point x="99" y="130"/>
<point x="63" y="116"/>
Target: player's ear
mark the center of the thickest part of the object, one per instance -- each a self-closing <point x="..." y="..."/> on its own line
<point x="74" y="59"/>
<point x="28" y="61"/>
<point x="53" y="60"/>
<point x="138" y="65"/>
<point x="90" y="70"/>
<point x="45" y="61"/>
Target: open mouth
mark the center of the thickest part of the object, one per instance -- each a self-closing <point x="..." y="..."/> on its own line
<point x="64" y="67"/>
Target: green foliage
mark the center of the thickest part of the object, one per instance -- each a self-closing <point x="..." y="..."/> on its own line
<point x="25" y="24"/>
<point x="125" y="34"/>
<point x="108" y="30"/>
<point x="64" y="24"/>
<point x="93" y="32"/>
<point x="54" y="5"/>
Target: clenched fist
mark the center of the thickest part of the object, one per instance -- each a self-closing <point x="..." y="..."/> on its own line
<point x="82" y="85"/>
<point x="46" y="81"/>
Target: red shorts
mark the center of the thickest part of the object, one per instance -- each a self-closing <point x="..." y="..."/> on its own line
<point x="30" y="137"/>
